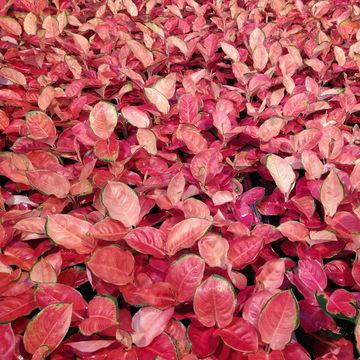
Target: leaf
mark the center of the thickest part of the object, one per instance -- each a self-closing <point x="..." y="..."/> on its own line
<point x="103" y="119"/>
<point x="108" y="230"/>
<point x="7" y="342"/>
<point x="148" y="323"/>
<point x="340" y="56"/>
<point x="166" y="85"/>
<point x="203" y="340"/>
<point x="271" y="275"/>
<point x="90" y="346"/>
<point x="48" y="327"/>
<point x="141" y="53"/>
<point x="176" y="187"/>
<point x="206" y="165"/>
<point x="312" y="274"/>
<point x="81" y="43"/>
<point x="43" y="272"/>
<point x="49" y="182"/>
<point x="240" y="336"/>
<point x="135" y="116"/>
<point x="112" y="265"/>
<point x="14" y="307"/>
<point x="13" y="75"/>
<point x="107" y="150"/>
<point x="147" y="139"/>
<point x="213" y="249"/>
<point x="244" y="251"/>
<point x="157" y="99"/>
<point x="260" y="57"/>
<point x="116" y="197"/>
<point x="186" y="274"/>
<point x="294" y="231"/>
<point x="102" y="314"/>
<point x="270" y="128"/>
<point x="162" y="347"/>
<point x="278" y="319"/>
<point x="342" y="304"/>
<point x="70" y="232"/>
<point x="10" y="25"/>
<point x="296" y="104"/>
<point x="188" y="109"/>
<point x="47" y="294"/>
<point x="357" y="333"/>
<point x="214" y="302"/>
<point x="40" y="126"/>
<point x="45" y="98"/>
<point x="230" y="51"/>
<point x="30" y="24"/>
<point x="257" y="37"/>
<point x="282" y="173"/>
<point x="147" y="240"/>
<point x="185" y="234"/>
<point x="331" y="193"/>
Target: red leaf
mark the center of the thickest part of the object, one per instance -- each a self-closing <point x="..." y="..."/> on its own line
<point x="47" y="294"/>
<point x="103" y="119"/>
<point x="214" y="302"/>
<point x="117" y="196"/>
<point x="185" y="234"/>
<point x="70" y="232"/>
<point x="186" y="274"/>
<point x="147" y="240"/>
<point x="148" y="323"/>
<point x="278" y="319"/>
<point x="282" y="173"/>
<point x="7" y="342"/>
<point x="112" y="264"/>
<point x="240" y="336"/>
<point x="48" y="327"/>
<point x="103" y="313"/>
<point x="331" y="193"/>
<point x="13" y="307"/>
<point x="49" y="182"/>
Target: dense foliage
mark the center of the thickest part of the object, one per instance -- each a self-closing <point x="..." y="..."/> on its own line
<point x="179" y="179"/>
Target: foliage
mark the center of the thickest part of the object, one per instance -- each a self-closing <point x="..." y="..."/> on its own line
<point x="179" y="179"/>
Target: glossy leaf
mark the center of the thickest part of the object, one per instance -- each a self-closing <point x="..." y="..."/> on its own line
<point x="48" y="327"/>
<point x="117" y="196"/>
<point x="278" y="319"/>
<point x="282" y="173"/>
<point x="214" y="302"/>
<point x="70" y="232"/>
<point x="185" y="234"/>
<point x="148" y="323"/>
<point x="112" y="265"/>
<point x="186" y="274"/>
<point x="103" y="119"/>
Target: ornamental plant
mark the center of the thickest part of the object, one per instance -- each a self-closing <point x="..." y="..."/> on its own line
<point x="180" y="179"/>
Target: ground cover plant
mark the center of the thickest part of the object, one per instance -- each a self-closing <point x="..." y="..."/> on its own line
<point x="179" y="179"/>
